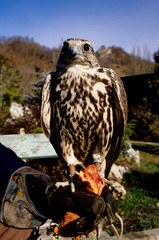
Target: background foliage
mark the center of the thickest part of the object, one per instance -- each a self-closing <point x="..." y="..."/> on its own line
<point x="10" y="86"/>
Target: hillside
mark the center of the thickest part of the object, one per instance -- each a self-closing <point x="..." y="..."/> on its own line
<point x="30" y="58"/>
<point x="122" y="62"/>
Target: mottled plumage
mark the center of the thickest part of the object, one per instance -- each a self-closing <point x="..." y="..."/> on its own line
<point x="84" y="107"/>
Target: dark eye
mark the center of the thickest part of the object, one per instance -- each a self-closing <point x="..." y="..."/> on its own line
<point x="86" y="47"/>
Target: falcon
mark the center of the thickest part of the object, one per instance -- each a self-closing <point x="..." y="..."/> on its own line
<point x="84" y="109"/>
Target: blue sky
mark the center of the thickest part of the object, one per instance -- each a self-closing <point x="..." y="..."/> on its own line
<point x="124" y="23"/>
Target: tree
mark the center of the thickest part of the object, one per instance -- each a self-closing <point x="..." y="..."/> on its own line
<point x="156" y="83"/>
<point x="156" y="65"/>
<point x="10" y="86"/>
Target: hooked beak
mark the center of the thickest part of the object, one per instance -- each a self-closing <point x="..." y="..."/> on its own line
<point x="74" y="52"/>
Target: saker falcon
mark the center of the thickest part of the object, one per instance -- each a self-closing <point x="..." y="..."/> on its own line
<point x="84" y="108"/>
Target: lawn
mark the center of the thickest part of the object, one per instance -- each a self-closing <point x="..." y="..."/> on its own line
<point x="140" y="208"/>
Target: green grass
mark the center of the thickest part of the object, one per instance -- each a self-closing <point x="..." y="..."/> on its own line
<point x="139" y="209"/>
<point x="149" y="158"/>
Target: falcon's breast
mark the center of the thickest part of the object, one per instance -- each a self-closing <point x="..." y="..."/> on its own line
<point x="82" y="110"/>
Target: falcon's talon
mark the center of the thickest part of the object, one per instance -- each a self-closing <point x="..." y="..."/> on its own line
<point x="101" y="174"/>
<point x="72" y="187"/>
<point x="71" y="184"/>
<point x="67" y="183"/>
<point x="62" y="184"/>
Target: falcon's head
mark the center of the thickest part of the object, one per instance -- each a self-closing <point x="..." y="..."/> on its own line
<point x="77" y="51"/>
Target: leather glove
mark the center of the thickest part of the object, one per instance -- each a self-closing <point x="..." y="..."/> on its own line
<point x="109" y="204"/>
<point x="55" y="203"/>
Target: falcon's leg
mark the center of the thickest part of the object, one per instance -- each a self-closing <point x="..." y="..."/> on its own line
<point x="69" y="157"/>
<point x="72" y="169"/>
<point x="99" y="163"/>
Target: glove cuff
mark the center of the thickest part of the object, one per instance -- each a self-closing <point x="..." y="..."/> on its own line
<point x="17" y="208"/>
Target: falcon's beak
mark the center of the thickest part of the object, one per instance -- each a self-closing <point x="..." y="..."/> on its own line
<point x="74" y="52"/>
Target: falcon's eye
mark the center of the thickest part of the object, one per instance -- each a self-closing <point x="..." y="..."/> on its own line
<point x="86" y="47"/>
